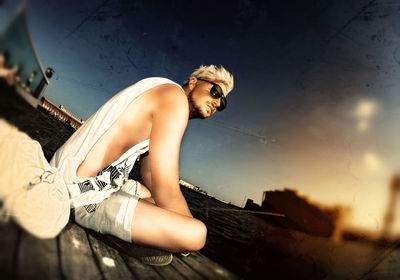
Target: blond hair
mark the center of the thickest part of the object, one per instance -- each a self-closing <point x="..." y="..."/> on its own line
<point x="214" y="73"/>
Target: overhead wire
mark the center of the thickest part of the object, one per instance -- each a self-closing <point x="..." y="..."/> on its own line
<point x="262" y="138"/>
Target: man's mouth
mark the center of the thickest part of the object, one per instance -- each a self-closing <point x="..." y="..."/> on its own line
<point x="210" y="108"/>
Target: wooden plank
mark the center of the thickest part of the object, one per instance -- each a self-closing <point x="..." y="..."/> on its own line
<point x="207" y="268"/>
<point x="176" y="270"/>
<point x="185" y="269"/>
<point x="77" y="260"/>
<point x="386" y="266"/>
<point x="169" y="272"/>
<point x="140" y="270"/>
<point x="38" y="258"/>
<point x="9" y="241"/>
<point x="111" y="263"/>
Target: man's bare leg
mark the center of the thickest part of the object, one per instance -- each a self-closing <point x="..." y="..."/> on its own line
<point x="161" y="228"/>
<point x="167" y="230"/>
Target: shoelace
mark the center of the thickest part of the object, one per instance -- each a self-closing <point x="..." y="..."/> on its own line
<point x="47" y="176"/>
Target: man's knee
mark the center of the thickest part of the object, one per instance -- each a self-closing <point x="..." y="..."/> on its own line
<point x="198" y="237"/>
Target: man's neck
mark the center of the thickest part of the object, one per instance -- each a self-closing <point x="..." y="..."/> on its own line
<point x="187" y="91"/>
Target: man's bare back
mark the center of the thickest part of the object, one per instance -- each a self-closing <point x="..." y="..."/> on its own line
<point x="131" y="128"/>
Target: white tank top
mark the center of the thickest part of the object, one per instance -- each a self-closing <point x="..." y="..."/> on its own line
<point x="69" y="156"/>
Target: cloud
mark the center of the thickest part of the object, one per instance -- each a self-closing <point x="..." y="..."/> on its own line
<point x="363" y="125"/>
<point x="364" y="111"/>
<point x="372" y="161"/>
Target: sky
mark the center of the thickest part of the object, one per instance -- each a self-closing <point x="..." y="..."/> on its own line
<point x="315" y="103"/>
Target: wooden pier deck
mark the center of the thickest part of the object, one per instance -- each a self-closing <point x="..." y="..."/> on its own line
<point x="248" y="246"/>
<point x="82" y="254"/>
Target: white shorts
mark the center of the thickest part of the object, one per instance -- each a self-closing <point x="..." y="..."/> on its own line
<point x="111" y="216"/>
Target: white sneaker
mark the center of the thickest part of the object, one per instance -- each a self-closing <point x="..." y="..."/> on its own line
<point x="33" y="193"/>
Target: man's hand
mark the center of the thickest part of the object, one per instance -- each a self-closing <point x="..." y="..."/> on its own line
<point x="9" y="75"/>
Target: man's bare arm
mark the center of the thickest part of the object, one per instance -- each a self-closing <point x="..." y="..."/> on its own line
<point x="169" y="120"/>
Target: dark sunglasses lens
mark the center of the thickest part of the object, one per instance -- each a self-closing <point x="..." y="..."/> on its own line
<point x="223" y="104"/>
<point x="216" y="92"/>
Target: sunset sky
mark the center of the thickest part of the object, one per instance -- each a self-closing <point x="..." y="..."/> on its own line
<point x="316" y="103"/>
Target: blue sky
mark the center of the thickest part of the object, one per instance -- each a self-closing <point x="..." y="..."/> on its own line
<point x="315" y="103"/>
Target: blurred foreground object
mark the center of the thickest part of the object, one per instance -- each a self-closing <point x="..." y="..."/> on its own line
<point x="32" y="192"/>
<point x="9" y="75"/>
<point x="389" y="216"/>
<point x="19" y="63"/>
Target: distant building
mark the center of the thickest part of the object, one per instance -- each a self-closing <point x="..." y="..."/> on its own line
<point x="250" y="205"/>
<point x="188" y="185"/>
<point x="61" y="113"/>
<point x="299" y="213"/>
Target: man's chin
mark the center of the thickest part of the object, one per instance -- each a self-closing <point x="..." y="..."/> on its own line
<point x="197" y="114"/>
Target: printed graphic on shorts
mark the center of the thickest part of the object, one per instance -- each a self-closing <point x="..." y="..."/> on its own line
<point x="109" y="179"/>
<point x="101" y="184"/>
<point x="90" y="208"/>
<point x="110" y="171"/>
<point x="85" y="186"/>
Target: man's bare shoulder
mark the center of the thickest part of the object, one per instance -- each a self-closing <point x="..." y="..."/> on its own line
<point x="168" y="97"/>
<point x="167" y="91"/>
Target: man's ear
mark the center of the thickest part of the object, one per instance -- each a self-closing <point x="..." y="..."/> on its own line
<point x="192" y="82"/>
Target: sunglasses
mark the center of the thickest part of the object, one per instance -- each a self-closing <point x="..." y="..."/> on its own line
<point x="216" y="92"/>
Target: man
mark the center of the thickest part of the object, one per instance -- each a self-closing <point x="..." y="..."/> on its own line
<point x="9" y="75"/>
<point x="141" y="128"/>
